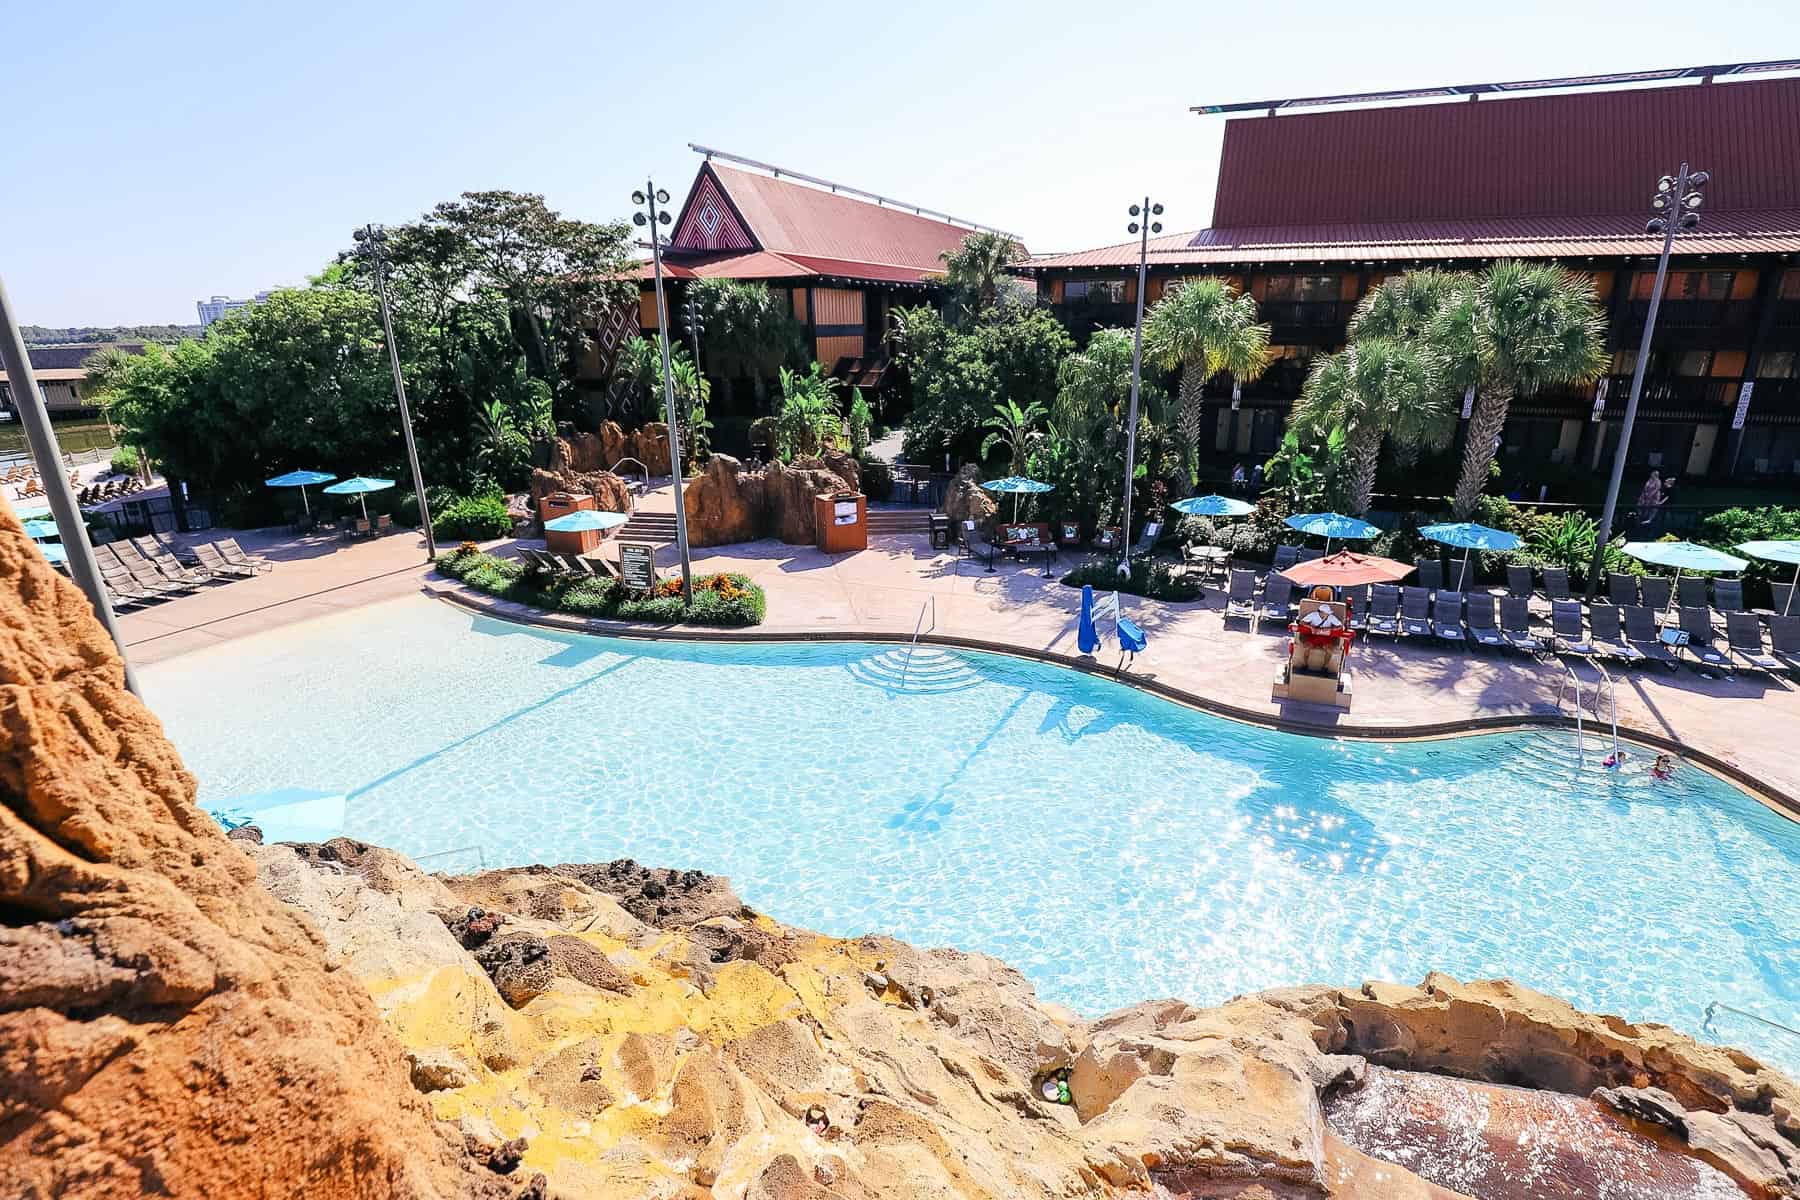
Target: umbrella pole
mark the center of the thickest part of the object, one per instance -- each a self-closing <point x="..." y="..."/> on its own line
<point x="1674" y="591"/>
<point x="1792" y="588"/>
<point x="362" y="498"/>
<point x="304" y="506"/>
<point x="1463" y="576"/>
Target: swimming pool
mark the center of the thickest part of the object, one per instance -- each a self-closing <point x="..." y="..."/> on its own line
<point x="1113" y="846"/>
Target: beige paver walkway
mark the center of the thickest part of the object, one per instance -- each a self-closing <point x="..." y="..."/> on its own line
<point x="1748" y="721"/>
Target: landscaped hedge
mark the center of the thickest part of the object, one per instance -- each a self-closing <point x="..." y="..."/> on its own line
<point x="1157" y="580"/>
<point x="472" y="518"/>
<point x="727" y="600"/>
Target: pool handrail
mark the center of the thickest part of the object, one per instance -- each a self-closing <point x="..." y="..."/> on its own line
<point x="1570" y="677"/>
<point x="918" y="627"/>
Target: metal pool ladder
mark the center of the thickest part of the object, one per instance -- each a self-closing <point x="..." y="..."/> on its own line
<point x="1718" y="1006"/>
<point x="1571" y="679"/>
<point x="918" y="627"/>
<point x="1612" y="701"/>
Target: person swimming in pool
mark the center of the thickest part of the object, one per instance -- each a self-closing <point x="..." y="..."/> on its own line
<point x="1664" y="767"/>
<point x="1614" y="761"/>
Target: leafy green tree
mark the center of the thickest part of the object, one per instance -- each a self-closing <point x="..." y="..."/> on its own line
<point x="976" y="273"/>
<point x="958" y="374"/>
<point x="751" y="333"/>
<point x="808" y="420"/>
<point x="1093" y="409"/>
<point x="1206" y="327"/>
<point x="859" y="422"/>
<point x="1012" y="427"/>
<point x="1374" y="388"/>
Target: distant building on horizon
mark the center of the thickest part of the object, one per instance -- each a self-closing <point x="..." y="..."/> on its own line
<point x="211" y="310"/>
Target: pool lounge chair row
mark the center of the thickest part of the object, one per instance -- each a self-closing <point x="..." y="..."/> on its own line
<point x="553" y="563"/>
<point x="1642" y="641"/>
<point x="143" y="570"/>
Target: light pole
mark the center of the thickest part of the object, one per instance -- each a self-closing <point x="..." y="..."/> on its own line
<point x="372" y="239"/>
<point x="69" y="526"/>
<point x="1143" y="229"/>
<point x="654" y="217"/>
<point x="1677" y="206"/>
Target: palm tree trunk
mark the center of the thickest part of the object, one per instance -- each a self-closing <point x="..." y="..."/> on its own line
<point x="1193" y="384"/>
<point x="1364" y="452"/>
<point x="1491" y="406"/>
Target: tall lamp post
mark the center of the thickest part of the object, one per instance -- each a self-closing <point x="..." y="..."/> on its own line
<point x="372" y="241"/>
<point x="29" y="402"/>
<point x="1143" y="228"/>
<point x="1676" y="206"/>
<point x="655" y="217"/>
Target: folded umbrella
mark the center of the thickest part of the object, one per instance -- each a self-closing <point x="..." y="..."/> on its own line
<point x="1086" y="636"/>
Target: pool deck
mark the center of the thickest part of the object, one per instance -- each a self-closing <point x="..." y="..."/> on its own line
<point x="1745" y="723"/>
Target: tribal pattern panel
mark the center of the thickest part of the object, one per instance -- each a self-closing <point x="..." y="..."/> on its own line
<point x="710" y="224"/>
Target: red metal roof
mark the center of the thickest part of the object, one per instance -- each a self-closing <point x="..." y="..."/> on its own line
<point x="1768" y="232"/>
<point x="1590" y="152"/>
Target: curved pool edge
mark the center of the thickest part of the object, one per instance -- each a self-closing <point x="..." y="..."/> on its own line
<point x="453" y="592"/>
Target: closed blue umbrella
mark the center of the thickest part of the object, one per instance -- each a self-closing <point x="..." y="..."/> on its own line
<point x="1213" y="506"/>
<point x="585" y="519"/>
<point x="1785" y="551"/>
<point x="1684" y="556"/>
<point x="1469" y="536"/>
<point x="1330" y="525"/>
<point x="301" y="480"/>
<point x="1016" y="486"/>
<point x="359" y="486"/>
<point x="1086" y="636"/>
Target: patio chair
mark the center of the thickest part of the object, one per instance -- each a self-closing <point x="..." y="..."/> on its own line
<point x="1782" y="600"/>
<point x="1518" y="581"/>
<point x="1310" y="553"/>
<point x="973" y="544"/>
<point x="1784" y="640"/>
<point x="1358" y="599"/>
<point x="1515" y="625"/>
<point x="1147" y="537"/>
<point x="1484" y="630"/>
<point x="1657" y="591"/>
<point x="599" y="568"/>
<point x="1696" y="622"/>
<point x="1690" y="592"/>
<point x="1566" y="629"/>
<point x="1240" y="599"/>
<point x="1743" y="635"/>
<point x="1431" y="572"/>
<point x="237" y="557"/>
<point x="1728" y="596"/>
<point x="1277" y="600"/>
<point x="161" y="560"/>
<point x="1643" y="636"/>
<point x="210" y="559"/>
<point x="146" y="576"/>
<point x="1384" y="610"/>
<point x="1447" y="617"/>
<point x="1556" y="583"/>
<point x="1285" y="557"/>
<point x="1604" y="624"/>
<point x="1415" y="612"/>
<point x="1622" y="588"/>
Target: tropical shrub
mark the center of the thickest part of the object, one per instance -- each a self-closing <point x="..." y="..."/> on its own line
<point x="860" y="418"/>
<point x="808" y="419"/>
<point x="124" y="461"/>
<point x="724" y="599"/>
<point x="1197" y="531"/>
<point x="1568" y="541"/>
<point x="475" y="518"/>
<point x="1771" y="523"/>
<point x="1157" y="580"/>
<point x="957" y="374"/>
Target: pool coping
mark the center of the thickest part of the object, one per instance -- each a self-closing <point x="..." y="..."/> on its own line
<point x="443" y="588"/>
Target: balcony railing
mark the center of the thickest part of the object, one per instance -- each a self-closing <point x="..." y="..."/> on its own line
<point x="1310" y="314"/>
<point x="1787" y="314"/>
<point x="1692" y="314"/>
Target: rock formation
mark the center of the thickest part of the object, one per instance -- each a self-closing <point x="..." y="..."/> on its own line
<point x="649" y="444"/>
<point x="728" y="502"/>
<point x="966" y="501"/>
<point x="608" y="490"/>
<point x="166" y="1027"/>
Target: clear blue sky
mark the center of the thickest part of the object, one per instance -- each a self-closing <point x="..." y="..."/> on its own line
<point x="175" y="151"/>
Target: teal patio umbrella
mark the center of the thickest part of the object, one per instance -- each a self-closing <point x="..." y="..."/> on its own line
<point x="33" y="513"/>
<point x="301" y="480"/>
<point x="1016" y="486"/>
<point x="1213" y="506"/>
<point x="583" y="519"/>
<point x="1683" y="556"/>
<point x="1787" y="551"/>
<point x="359" y="486"/>
<point x="1330" y="525"/>
<point x="1468" y="537"/>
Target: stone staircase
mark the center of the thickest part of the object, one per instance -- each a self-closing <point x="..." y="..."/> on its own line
<point x="899" y="522"/>
<point x="658" y="528"/>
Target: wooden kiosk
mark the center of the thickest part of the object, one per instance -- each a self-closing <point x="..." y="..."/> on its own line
<point x="561" y="504"/>
<point x="1316" y="670"/>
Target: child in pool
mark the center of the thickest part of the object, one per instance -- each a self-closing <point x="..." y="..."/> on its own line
<point x="1664" y="767"/>
<point x="1614" y="761"/>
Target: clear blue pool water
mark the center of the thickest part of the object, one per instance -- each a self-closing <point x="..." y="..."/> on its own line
<point x="1113" y="846"/>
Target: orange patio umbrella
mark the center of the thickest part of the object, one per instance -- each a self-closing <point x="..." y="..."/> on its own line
<point x="1346" y="568"/>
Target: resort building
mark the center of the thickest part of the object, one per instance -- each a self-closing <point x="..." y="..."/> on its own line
<point x="1313" y="208"/>
<point x="843" y="257"/>
<point x="62" y="377"/>
<point x="211" y="310"/>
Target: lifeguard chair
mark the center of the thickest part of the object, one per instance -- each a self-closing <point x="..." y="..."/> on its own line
<point x="1316" y="669"/>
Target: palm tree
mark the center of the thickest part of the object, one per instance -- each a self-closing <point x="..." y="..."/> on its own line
<point x="1207" y="328"/>
<point x="1013" y="428"/>
<point x="1523" y="327"/>
<point x="1373" y="388"/>
<point x="1403" y="307"/>
<point x="808" y="419"/>
<point x="976" y="269"/>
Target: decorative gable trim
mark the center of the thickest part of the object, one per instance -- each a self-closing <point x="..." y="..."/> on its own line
<point x="710" y="221"/>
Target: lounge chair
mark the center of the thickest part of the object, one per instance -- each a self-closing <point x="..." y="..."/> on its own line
<point x="1690" y="592"/>
<point x="1518" y="581"/>
<point x="125" y="590"/>
<point x="1642" y="635"/>
<point x="1447" y="616"/>
<point x="211" y="560"/>
<point x="1285" y="557"/>
<point x="159" y="559"/>
<point x="1384" y="610"/>
<point x="1484" y="630"/>
<point x="1415" y="612"/>
<point x="1784" y="640"/>
<point x="1657" y="591"/>
<point x="1609" y="634"/>
<point x="1743" y="635"/>
<point x="1147" y="537"/>
<point x="237" y="557"/>
<point x="1431" y="573"/>
<point x="1566" y="629"/>
<point x="1696" y="622"/>
<point x="597" y="566"/>
<point x="1622" y="588"/>
<point x="143" y="574"/>
<point x="1310" y="554"/>
<point x="1782" y="600"/>
<point x="1277" y="599"/>
<point x="1358" y="599"/>
<point x="973" y="544"/>
<point x="1240" y="598"/>
<point x="1515" y="625"/>
<point x="1728" y="596"/>
<point x="1556" y="583"/>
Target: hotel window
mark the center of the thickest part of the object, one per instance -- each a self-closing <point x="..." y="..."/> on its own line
<point x="1098" y="291"/>
<point x="1790" y="284"/>
<point x="1701" y="285"/>
<point x="1301" y="288"/>
<point x="1777" y="364"/>
<point x="1693" y="363"/>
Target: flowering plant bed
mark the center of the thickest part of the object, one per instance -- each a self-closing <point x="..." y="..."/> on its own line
<point x="726" y="600"/>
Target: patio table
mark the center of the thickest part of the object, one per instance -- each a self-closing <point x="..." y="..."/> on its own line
<point x="1209" y="559"/>
<point x="1047" y="549"/>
